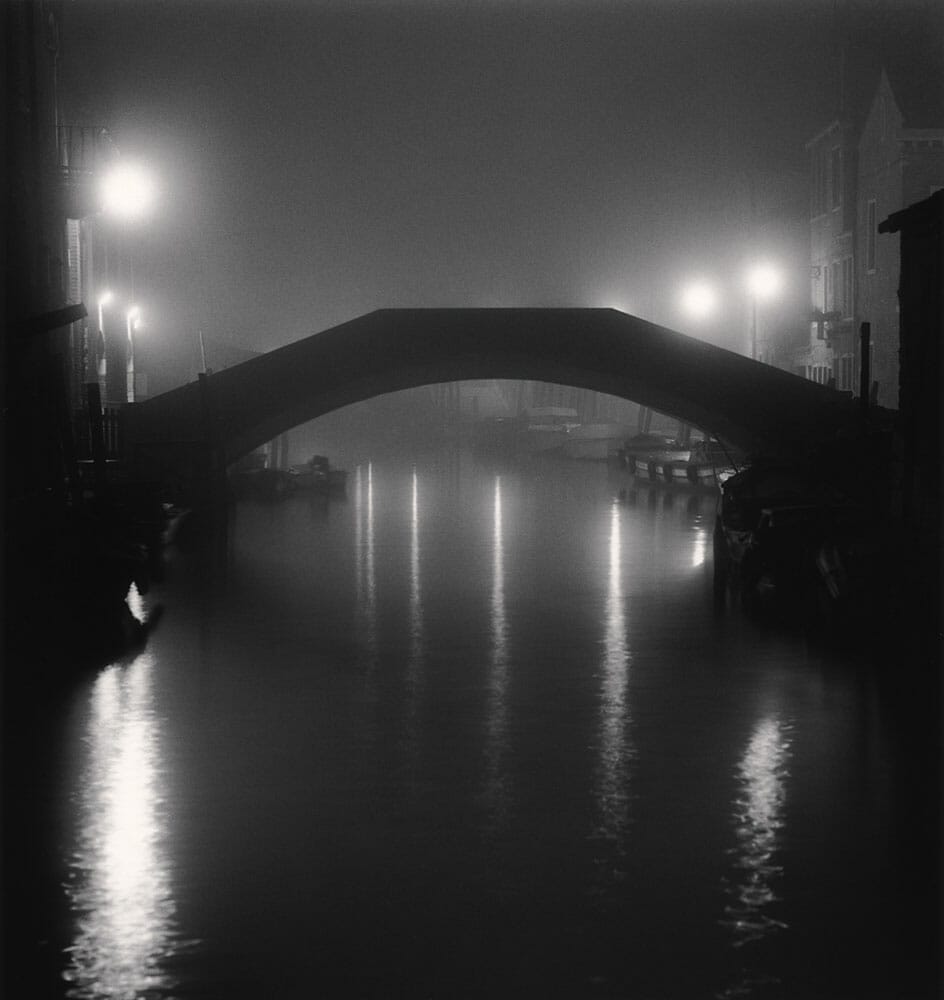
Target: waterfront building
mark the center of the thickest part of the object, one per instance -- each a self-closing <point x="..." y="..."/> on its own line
<point x="866" y="164"/>
<point x="901" y="162"/>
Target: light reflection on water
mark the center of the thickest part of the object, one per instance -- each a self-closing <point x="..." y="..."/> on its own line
<point x="699" y="547"/>
<point x="416" y="594"/>
<point x="365" y="576"/>
<point x="416" y="603"/>
<point x="582" y="685"/>
<point x="496" y="745"/>
<point x="119" y="881"/>
<point x="759" y="819"/>
<point x="413" y="685"/>
<point x="615" y="751"/>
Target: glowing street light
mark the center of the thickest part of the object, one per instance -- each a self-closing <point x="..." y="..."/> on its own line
<point x="127" y="191"/>
<point x="764" y="282"/>
<point x="699" y="300"/>
<point x="134" y="323"/>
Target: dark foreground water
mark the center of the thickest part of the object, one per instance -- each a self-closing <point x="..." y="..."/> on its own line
<point x="476" y="732"/>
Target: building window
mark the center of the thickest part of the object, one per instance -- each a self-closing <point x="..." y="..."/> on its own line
<point x="74" y="261"/>
<point x="870" y="230"/>
<point x="847" y="286"/>
<point x="835" y="177"/>
<point x="826" y="288"/>
<point x="835" y="281"/>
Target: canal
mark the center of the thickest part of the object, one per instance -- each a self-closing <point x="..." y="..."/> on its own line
<point x="476" y="730"/>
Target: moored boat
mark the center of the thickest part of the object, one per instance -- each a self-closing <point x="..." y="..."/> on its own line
<point x="645" y="446"/>
<point x="704" y="465"/>
<point x="318" y="474"/>
<point x="600" y="441"/>
<point x="548" y="427"/>
<point x="785" y="539"/>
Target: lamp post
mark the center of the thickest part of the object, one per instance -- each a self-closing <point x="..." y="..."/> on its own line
<point x="763" y="283"/>
<point x="101" y="367"/>
<point x="127" y="192"/>
<point x="133" y="322"/>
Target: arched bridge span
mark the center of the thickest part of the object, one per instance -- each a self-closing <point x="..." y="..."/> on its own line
<point x="751" y="405"/>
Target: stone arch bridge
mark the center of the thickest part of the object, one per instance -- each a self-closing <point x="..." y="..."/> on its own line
<point x="193" y="432"/>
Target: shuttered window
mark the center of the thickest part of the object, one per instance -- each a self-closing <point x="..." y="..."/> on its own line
<point x="73" y="261"/>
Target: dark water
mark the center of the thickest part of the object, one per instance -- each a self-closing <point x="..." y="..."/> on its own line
<point x="477" y="732"/>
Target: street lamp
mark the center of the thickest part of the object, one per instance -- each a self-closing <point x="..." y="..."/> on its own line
<point x="102" y="368"/>
<point x="127" y="191"/>
<point x="134" y="323"/>
<point x="699" y="300"/>
<point x="764" y="282"/>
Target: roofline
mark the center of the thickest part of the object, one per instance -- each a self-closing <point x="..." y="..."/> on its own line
<point x="836" y="123"/>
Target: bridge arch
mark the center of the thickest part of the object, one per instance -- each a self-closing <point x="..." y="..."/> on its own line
<point x="751" y="405"/>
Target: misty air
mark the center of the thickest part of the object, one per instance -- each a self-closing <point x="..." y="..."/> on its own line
<point x="471" y="496"/>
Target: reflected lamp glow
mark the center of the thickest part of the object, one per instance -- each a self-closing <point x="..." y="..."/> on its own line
<point x="127" y="191"/>
<point x="416" y="607"/>
<point x="764" y="282"/>
<point x="120" y="886"/>
<point x="759" y="818"/>
<point x="611" y="784"/>
<point x="699" y="548"/>
<point x="364" y="541"/>
<point x="497" y="735"/>
<point x="498" y="574"/>
<point x="699" y="300"/>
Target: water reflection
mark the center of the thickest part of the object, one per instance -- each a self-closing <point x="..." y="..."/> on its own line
<point x="416" y="604"/>
<point x="758" y="819"/>
<point x="496" y="746"/>
<point x="699" y="547"/>
<point x="612" y="782"/>
<point x="415" y="663"/>
<point x="365" y="576"/>
<point x="119" y="880"/>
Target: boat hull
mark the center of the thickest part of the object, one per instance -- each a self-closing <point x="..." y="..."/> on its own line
<point x="681" y="473"/>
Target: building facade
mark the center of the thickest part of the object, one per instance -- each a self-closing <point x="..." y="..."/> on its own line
<point x="833" y="158"/>
<point x="861" y="171"/>
<point x="898" y="166"/>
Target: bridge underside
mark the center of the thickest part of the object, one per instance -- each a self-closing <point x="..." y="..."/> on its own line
<point x="751" y="405"/>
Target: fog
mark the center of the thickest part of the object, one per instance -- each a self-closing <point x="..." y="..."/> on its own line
<point x="316" y="161"/>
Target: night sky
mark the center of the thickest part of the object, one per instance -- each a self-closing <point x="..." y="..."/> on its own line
<point x="319" y="160"/>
